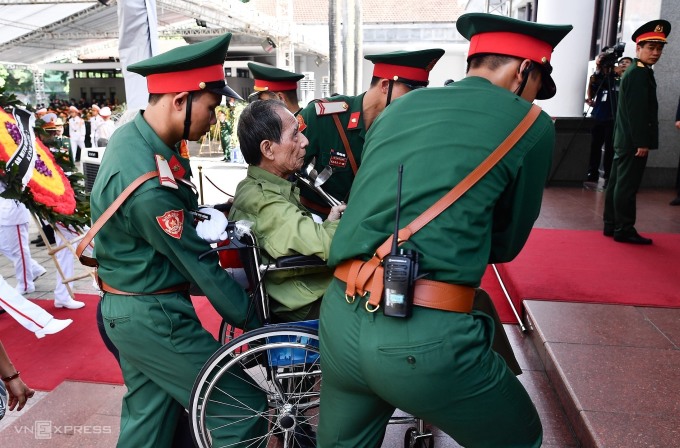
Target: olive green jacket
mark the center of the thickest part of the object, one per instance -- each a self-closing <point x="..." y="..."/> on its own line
<point x="284" y="227"/>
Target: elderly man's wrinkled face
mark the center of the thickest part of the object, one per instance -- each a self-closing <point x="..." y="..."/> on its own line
<point x="289" y="153"/>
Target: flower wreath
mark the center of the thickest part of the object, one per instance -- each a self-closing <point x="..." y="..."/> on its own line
<point x="51" y="193"/>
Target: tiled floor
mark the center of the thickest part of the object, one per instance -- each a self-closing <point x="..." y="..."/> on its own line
<point x="602" y="375"/>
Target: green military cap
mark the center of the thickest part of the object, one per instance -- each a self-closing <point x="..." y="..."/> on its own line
<point x="272" y="78"/>
<point x="494" y="34"/>
<point x="411" y="67"/>
<point x="190" y="68"/>
<point x="654" y="31"/>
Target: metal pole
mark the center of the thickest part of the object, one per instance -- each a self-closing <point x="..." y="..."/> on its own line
<point x="200" y="184"/>
<point x="507" y="296"/>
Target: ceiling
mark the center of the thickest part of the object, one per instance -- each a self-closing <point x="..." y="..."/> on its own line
<point x="44" y="31"/>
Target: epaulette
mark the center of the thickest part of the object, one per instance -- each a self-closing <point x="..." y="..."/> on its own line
<point x="330" y="107"/>
<point x="165" y="176"/>
<point x="640" y="64"/>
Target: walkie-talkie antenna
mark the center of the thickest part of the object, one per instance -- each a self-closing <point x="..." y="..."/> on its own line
<point x="395" y="238"/>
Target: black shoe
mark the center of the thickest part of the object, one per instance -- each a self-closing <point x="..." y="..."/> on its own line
<point x="40" y="243"/>
<point x="608" y="230"/>
<point x="675" y="201"/>
<point x="592" y="177"/>
<point x="37" y="240"/>
<point x="633" y="239"/>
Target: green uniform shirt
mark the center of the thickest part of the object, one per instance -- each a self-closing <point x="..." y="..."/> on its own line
<point x="440" y="135"/>
<point x="637" y="116"/>
<point x="134" y="252"/>
<point x="284" y="227"/>
<point x="326" y="145"/>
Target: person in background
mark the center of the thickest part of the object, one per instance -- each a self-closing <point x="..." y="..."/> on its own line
<point x="602" y="99"/>
<point x="95" y="122"/>
<point x="17" y="390"/>
<point x="622" y="65"/>
<point x="676" y="201"/>
<point x="28" y="314"/>
<point x="225" y="131"/>
<point x="636" y="132"/>
<point x="76" y="132"/>
<point x="105" y="128"/>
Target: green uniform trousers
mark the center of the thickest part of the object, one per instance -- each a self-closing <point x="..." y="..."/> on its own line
<point x="437" y="365"/>
<point x="624" y="182"/>
<point x="162" y="349"/>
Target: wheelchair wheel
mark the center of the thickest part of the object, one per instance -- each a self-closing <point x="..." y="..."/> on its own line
<point x="413" y="439"/>
<point x="280" y="360"/>
<point x="228" y="332"/>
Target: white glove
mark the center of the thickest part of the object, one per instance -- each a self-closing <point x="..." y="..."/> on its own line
<point x="212" y="230"/>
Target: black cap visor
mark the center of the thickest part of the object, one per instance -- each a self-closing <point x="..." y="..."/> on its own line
<point x="221" y="88"/>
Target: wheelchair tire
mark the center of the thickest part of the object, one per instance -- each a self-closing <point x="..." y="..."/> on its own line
<point x="412" y="439"/>
<point x="280" y="360"/>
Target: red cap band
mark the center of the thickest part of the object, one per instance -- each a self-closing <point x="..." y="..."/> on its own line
<point x="185" y="80"/>
<point x="510" y="44"/>
<point x="274" y="86"/>
<point x="651" y="36"/>
<point x="389" y="71"/>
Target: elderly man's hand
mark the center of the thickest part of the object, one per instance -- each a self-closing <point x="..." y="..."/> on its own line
<point x="212" y="230"/>
<point x="336" y="212"/>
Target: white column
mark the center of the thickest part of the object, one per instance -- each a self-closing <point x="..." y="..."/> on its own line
<point x="570" y="58"/>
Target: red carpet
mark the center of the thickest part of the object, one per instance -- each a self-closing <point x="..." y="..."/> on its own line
<point x="585" y="266"/>
<point x="77" y="352"/>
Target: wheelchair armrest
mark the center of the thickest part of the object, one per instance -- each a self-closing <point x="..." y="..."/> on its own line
<point x="298" y="261"/>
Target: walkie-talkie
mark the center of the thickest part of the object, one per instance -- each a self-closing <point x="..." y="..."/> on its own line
<point x="400" y="271"/>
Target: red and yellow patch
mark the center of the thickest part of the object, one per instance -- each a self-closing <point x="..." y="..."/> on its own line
<point x="301" y="123"/>
<point x="48" y="183"/>
<point x="172" y="223"/>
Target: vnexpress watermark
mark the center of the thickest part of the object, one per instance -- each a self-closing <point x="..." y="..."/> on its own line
<point x="44" y="429"/>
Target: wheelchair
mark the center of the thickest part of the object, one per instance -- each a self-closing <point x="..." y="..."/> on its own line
<point x="282" y="360"/>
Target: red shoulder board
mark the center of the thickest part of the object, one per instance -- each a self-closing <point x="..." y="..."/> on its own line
<point x="172" y="223"/>
<point x="353" y="120"/>
<point x="301" y="123"/>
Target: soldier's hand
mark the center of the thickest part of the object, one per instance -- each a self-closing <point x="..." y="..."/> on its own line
<point x="642" y="152"/>
<point x="212" y="230"/>
<point x="336" y="212"/>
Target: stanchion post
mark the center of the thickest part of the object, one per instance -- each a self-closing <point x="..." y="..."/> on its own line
<point x="200" y="183"/>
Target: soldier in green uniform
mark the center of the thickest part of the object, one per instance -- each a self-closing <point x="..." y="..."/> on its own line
<point x="636" y="132"/>
<point x="275" y="83"/>
<point x="60" y="145"/>
<point x="148" y="253"/>
<point x="438" y="364"/>
<point x="225" y="130"/>
<point x="328" y="123"/>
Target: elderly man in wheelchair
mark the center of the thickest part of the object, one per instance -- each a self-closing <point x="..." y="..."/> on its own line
<point x="283" y="252"/>
<point x="274" y="148"/>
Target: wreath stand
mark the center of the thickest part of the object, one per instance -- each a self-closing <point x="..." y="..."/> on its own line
<point x="66" y="244"/>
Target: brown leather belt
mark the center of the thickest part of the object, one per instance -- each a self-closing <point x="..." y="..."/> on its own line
<point x="427" y="293"/>
<point x="182" y="287"/>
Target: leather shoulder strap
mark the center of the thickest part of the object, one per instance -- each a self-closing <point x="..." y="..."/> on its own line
<point x="115" y="205"/>
<point x="452" y="196"/>
<point x="345" y="142"/>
